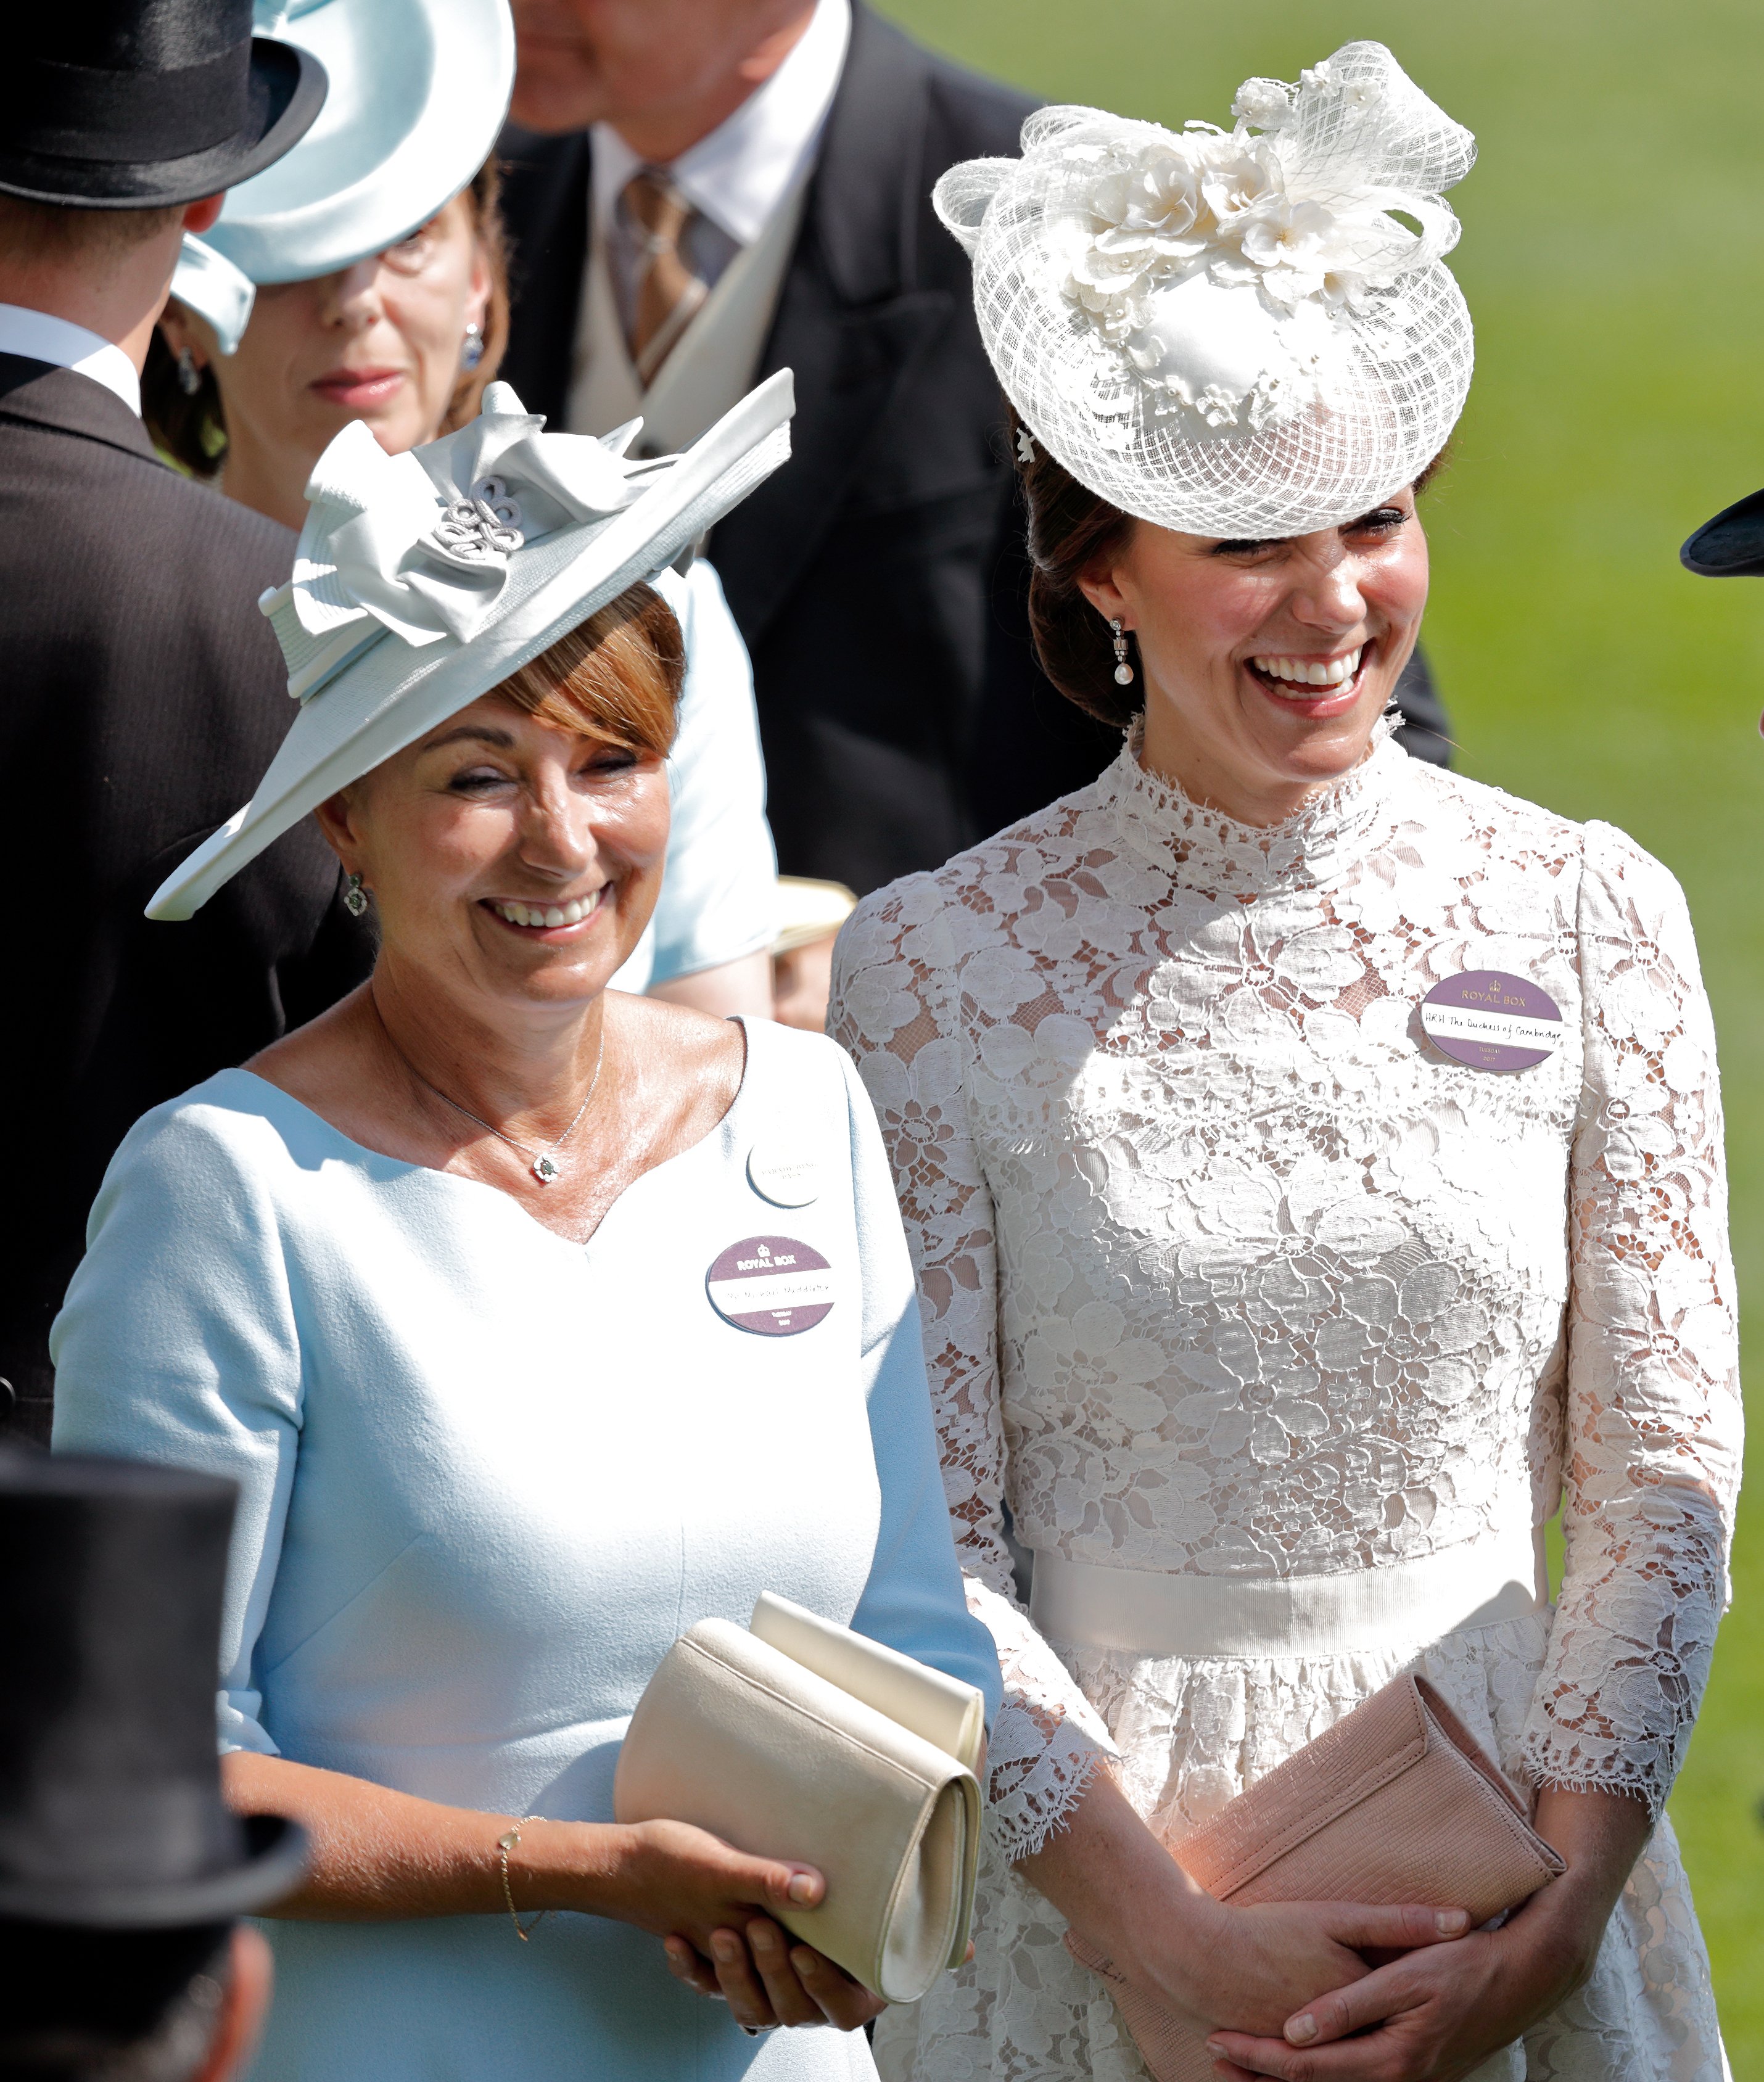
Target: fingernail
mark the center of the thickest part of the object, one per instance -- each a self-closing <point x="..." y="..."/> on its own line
<point x="801" y="1887"/>
<point x="1301" y="2030"/>
<point x="764" y="1939"/>
<point x="751" y="2029"/>
<point x="1449" y="1921"/>
<point x="1215" y="2049"/>
<point x="725" y="1946"/>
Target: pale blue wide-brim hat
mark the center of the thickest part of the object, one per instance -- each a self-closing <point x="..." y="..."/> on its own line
<point x="423" y="580"/>
<point x="419" y="90"/>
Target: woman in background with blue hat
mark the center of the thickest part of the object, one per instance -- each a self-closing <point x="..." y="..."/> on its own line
<point x="364" y="278"/>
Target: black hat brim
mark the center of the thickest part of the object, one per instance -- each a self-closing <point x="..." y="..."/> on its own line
<point x="287" y="90"/>
<point x="1732" y="545"/>
<point x="275" y="1859"/>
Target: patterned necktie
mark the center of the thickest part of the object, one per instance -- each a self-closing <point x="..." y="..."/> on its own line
<point x="668" y="291"/>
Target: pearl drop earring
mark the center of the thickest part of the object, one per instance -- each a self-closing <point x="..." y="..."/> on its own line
<point x="1124" y="672"/>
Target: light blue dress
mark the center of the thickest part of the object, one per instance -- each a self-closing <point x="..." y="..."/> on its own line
<point x="487" y="1475"/>
<point x="719" y="896"/>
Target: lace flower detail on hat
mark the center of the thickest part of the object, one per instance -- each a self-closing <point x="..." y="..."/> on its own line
<point x="1256" y="209"/>
<point x="1236" y="331"/>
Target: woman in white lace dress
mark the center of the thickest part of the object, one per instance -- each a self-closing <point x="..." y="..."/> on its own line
<point x="1278" y="1329"/>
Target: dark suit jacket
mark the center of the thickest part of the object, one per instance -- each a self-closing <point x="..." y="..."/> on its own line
<point x="876" y="576"/>
<point x="143" y="697"/>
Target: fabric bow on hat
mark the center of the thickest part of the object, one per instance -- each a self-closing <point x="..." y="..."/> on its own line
<point x="419" y="545"/>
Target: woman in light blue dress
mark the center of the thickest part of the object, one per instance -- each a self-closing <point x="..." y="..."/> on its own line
<point x="534" y="1322"/>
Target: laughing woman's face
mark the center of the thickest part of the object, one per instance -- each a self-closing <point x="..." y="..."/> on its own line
<point x="1267" y="664"/>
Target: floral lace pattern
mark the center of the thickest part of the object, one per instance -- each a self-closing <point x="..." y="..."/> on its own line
<point x="1225" y="1270"/>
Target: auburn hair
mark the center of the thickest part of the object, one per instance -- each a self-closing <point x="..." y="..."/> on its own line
<point x="616" y="677"/>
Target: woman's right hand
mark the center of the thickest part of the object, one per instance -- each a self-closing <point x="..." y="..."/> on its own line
<point x="1211" y="1961"/>
<point x="715" y="1908"/>
<point x="1119" y="1888"/>
<point x="379" y="1856"/>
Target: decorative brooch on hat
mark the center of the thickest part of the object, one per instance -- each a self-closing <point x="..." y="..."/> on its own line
<point x="1241" y="332"/>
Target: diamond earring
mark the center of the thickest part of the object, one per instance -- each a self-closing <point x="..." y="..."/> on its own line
<point x="472" y="352"/>
<point x="1124" y="672"/>
<point x="355" y="897"/>
<point x="189" y="376"/>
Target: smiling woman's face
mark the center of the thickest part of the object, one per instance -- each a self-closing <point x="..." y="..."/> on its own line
<point x="513" y="863"/>
<point x="1267" y="663"/>
<point x="381" y="342"/>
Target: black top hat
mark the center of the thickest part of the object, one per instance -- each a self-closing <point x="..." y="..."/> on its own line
<point x="138" y="104"/>
<point x="1731" y="545"/>
<point x="111" y="1814"/>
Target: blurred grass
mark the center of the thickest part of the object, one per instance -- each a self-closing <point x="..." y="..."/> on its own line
<point x="1612" y="260"/>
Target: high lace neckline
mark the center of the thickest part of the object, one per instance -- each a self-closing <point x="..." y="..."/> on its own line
<point x="1205" y="849"/>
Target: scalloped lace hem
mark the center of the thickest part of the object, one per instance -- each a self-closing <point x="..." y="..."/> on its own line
<point x="1027" y="1819"/>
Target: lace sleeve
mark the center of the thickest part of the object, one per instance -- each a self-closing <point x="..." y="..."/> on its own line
<point x="1651" y="1459"/>
<point x="894" y="1009"/>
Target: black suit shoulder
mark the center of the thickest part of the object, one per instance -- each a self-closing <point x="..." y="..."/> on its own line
<point x="145" y="697"/>
<point x="986" y="116"/>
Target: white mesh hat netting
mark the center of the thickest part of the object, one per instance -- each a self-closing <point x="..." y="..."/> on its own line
<point x="1248" y="332"/>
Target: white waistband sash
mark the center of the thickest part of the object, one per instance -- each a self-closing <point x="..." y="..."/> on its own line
<point x="1143" y="1611"/>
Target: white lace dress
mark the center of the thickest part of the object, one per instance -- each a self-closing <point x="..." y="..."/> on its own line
<point x="1227" y="1272"/>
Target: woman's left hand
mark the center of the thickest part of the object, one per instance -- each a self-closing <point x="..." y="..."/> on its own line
<point x="1433" y="2016"/>
<point x="767" y="1979"/>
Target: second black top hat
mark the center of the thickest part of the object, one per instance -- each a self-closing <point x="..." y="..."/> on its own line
<point x="111" y="1817"/>
<point x="137" y="104"/>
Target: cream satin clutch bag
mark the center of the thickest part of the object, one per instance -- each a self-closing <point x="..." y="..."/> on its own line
<point x="1396" y="1803"/>
<point x="801" y="1739"/>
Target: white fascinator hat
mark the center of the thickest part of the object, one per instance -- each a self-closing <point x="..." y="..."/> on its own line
<point x="1245" y="332"/>
<point x="422" y="580"/>
<point x="419" y="90"/>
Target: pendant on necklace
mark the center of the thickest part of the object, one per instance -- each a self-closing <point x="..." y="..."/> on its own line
<point x="545" y="1170"/>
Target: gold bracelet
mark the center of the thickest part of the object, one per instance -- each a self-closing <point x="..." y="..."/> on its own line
<point x="505" y="1844"/>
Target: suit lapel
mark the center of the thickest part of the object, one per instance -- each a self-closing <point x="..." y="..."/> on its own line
<point x="545" y="208"/>
<point x="850" y="323"/>
<point x="43" y="396"/>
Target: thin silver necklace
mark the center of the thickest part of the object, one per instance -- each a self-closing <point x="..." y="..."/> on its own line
<point x="544" y="1166"/>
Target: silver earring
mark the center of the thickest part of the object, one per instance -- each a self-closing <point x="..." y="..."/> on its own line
<point x="1124" y="672"/>
<point x="355" y="897"/>
<point x="189" y="376"/>
<point x="473" y="351"/>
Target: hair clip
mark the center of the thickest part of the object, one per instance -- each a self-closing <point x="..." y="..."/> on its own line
<point x="1025" y="446"/>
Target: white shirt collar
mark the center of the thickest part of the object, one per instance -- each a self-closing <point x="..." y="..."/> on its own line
<point x="740" y="173"/>
<point x="42" y="337"/>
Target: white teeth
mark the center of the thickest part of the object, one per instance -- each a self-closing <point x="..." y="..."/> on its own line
<point x="571" y="914"/>
<point x="1311" y="672"/>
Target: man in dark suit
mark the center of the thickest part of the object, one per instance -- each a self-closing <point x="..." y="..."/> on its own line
<point x="879" y="578"/>
<point x="144" y="695"/>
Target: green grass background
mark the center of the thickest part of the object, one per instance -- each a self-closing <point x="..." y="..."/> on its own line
<point x="1612" y="256"/>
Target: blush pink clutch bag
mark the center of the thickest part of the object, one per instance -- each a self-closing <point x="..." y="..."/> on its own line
<point x="1395" y="1803"/>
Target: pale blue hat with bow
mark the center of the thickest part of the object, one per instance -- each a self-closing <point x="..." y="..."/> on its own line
<point x="423" y="580"/>
<point x="419" y="90"/>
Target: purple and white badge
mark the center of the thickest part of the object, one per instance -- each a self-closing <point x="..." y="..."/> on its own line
<point x="772" y="1284"/>
<point x="1492" y="1021"/>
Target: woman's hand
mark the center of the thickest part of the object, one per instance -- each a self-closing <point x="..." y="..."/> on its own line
<point x="700" y="1896"/>
<point x="766" y="1979"/>
<point x="1119" y="1887"/>
<point x="378" y="1855"/>
<point x="1434" y="2015"/>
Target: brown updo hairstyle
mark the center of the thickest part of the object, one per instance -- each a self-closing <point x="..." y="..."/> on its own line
<point x="190" y="427"/>
<point x="1071" y="530"/>
<point x="615" y="677"/>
